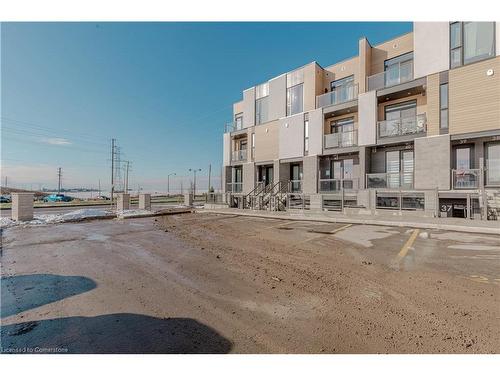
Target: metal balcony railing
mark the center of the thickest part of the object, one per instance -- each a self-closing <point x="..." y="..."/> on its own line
<point x="328" y="185"/>
<point x="234" y="187"/>
<point x="402" y="126"/>
<point x="465" y="178"/>
<point x="403" y="72"/>
<point x="345" y="139"/>
<point x="338" y="95"/>
<point x="240" y="155"/>
<point x="295" y="186"/>
<point x="389" y="180"/>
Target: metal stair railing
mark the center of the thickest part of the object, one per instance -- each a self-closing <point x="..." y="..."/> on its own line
<point x="250" y="198"/>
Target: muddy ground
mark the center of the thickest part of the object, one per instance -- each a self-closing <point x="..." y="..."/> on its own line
<point x="205" y="283"/>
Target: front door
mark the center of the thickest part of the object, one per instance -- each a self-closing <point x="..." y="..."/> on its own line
<point x="296" y="177"/>
<point x="266" y="174"/>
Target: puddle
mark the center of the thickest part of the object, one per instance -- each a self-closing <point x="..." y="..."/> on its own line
<point x="363" y="235"/>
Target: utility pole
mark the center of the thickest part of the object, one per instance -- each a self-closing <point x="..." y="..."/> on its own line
<point x="99" y="187"/>
<point x="126" y="176"/>
<point x="5" y="181"/>
<point x="59" y="174"/>
<point x="194" y="170"/>
<point x="182" y="190"/>
<point x="209" y="175"/>
<point x="112" y="169"/>
<point x="168" y="182"/>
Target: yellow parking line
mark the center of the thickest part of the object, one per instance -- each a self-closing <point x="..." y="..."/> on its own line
<point x="407" y="245"/>
<point x="341" y="228"/>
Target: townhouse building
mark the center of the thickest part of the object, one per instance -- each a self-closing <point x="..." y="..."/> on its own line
<point x="410" y="125"/>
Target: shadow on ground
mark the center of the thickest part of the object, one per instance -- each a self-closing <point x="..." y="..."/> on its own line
<point x="114" y="333"/>
<point x="25" y="292"/>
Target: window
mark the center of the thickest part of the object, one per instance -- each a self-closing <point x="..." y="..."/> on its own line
<point x="243" y="145"/>
<point x="470" y="42"/>
<point x="398" y="69"/>
<point x="342" y="89"/>
<point x="493" y="164"/>
<point x="463" y="158"/>
<point x="306" y="134"/>
<point x="238" y="121"/>
<point x="342" y="126"/>
<point x="443" y="104"/>
<point x="261" y="103"/>
<point x="261" y="110"/>
<point x="295" y="92"/>
<point x="295" y="99"/>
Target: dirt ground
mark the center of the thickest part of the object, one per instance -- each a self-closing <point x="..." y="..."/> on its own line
<point x="206" y="283"/>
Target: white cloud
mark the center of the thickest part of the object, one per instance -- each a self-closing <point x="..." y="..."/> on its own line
<point x="56" y="141"/>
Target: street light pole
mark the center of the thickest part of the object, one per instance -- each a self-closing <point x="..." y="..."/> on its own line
<point x="168" y="183"/>
<point x="194" y="179"/>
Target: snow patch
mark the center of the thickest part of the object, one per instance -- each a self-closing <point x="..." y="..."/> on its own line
<point x="85" y="213"/>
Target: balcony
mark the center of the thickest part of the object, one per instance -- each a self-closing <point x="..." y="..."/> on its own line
<point x="239" y="156"/>
<point x="330" y="185"/>
<point x="234" y="187"/>
<point x="339" y="140"/>
<point x="389" y="180"/>
<point x="338" y="95"/>
<point x="402" y="126"/>
<point x="402" y="73"/>
<point x="465" y="178"/>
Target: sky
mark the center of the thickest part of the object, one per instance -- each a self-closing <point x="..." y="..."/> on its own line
<point x="163" y="90"/>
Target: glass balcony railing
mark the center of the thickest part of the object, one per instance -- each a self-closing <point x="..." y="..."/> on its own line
<point x="465" y="178"/>
<point x="338" y="95"/>
<point x="345" y="139"/>
<point x="234" y="187"/>
<point x="329" y="185"/>
<point x="233" y="126"/>
<point x="240" y="155"/>
<point x="402" y="126"/>
<point x="389" y="180"/>
<point x="394" y="75"/>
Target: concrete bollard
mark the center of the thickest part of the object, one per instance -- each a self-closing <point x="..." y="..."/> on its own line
<point x="22" y="206"/>
<point x="188" y="199"/>
<point x="145" y="202"/>
<point x="123" y="202"/>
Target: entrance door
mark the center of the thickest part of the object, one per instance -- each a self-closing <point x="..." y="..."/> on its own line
<point x="342" y="173"/>
<point x="296" y="177"/>
<point x="266" y="174"/>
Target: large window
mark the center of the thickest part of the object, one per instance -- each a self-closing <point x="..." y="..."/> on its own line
<point x="238" y="121"/>
<point x="443" y="104"/>
<point x="295" y="99"/>
<point x="261" y="103"/>
<point x="470" y="42"/>
<point x="295" y="92"/>
<point x="493" y="164"/>
<point x="398" y="69"/>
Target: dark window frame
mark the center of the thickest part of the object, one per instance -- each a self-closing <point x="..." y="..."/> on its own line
<point x="461" y="46"/>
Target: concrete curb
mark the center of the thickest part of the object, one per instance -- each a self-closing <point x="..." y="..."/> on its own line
<point x="154" y="214"/>
<point x="389" y="223"/>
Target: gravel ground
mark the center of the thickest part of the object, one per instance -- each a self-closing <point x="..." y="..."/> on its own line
<point x="205" y="283"/>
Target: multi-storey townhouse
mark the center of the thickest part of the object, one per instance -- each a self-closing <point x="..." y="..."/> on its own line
<point x="411" y="124"/>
